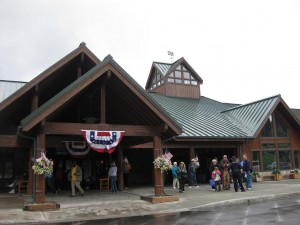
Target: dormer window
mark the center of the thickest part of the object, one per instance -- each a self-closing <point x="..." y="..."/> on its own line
<point x="181" y="76"/>
<point x="157" y="80"/>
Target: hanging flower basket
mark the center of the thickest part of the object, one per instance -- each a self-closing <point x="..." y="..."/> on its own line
<point x="162" y="163"/>
<point x="42" y="165"/>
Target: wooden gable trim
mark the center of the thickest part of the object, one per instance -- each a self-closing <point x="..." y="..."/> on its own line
<point x="61" y="100"/>
<point x="266" y="118"/>
<point x="148" y="83"/>
<point x="183" y="61"/>
<point x="294" y="120"/>
<point x="35" y="81"/>
<point x="107" y="64"/>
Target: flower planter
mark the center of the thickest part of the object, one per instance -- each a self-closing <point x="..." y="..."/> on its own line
<point x="256" y="179"/>
<point x="295" y="175"/>
<point x="277" y="177"/>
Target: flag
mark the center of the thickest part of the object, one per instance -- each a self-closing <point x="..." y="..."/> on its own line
<point x="103" y="141"/>
<point x="168" y="155"/>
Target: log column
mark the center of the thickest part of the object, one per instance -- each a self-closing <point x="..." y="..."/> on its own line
<point x="158" y="186"/>
<point x="191" y="153"/>
<point x="34" y="106"/>
<point x="120" y="168"/>
<point x="40" y="179"/>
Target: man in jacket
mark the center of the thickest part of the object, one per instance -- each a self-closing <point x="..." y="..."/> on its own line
<point x="247" y="172"/>
<point x="75" y="176"/>
<point x="236" y="170"/>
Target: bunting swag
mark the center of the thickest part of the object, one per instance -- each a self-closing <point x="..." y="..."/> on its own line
<point x="103" y="141"/>
<point x="77" y="148"/>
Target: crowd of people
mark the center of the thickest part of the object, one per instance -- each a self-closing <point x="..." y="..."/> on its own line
<point x="221" y="173"/>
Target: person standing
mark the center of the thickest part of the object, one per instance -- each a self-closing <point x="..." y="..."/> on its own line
<point x="50" y="183"/>
<point x="216" y="176"/>
<point x="193" y="172"/>
<point x="75" y="176"/>
<point x="112" y="173"/>
<point x="214" y="163"/>
<point x="236" y="169"/>
<point x="182" y="175"/>
<point x="247" y="172"/>
<point x="175" y="176"/>
<point x="224" y="166"/>
<point x="126" y="170"/>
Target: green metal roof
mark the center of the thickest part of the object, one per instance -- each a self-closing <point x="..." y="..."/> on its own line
<point x="163" y="67"/>
<point x="297" y="113"/>
<point x="207" y="118"/>
<point x="249" y="117"/>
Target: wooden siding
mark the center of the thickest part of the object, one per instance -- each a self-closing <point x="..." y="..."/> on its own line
<point x="182" y="91"/>
<point x="161" y="90"/>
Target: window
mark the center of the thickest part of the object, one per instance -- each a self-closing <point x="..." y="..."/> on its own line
<point x="281" y="129"/>
<point x="256" y="161"/>
<point x="268" y="146"/>
<point x="283" y="145"/>
<point x="157" y="79"/>
<point x="186" y="75"/>
<point x="284" y="160"/>
<point x="269" y="160"/>
<point x="182" y="76"/>
<point x="178" y="74"/>
<point x="297" y="159"/>
<point x="267" y="130"/>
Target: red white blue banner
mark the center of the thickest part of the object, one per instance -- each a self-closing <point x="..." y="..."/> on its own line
<point x="103" y="141"/>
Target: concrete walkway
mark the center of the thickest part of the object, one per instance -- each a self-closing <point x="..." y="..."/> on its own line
<point x="104" y="204"/>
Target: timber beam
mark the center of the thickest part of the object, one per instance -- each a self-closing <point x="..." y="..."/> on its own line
<point x="75" y="129"/>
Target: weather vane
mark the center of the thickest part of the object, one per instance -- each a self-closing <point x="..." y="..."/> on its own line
<point x="171" y="54"/>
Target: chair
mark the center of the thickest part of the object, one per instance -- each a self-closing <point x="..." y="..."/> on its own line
<point x="104" y="183"/>
<point x="22" y="186"/>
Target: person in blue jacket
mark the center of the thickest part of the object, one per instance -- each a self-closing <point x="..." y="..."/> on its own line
<point x="175" y="175"/>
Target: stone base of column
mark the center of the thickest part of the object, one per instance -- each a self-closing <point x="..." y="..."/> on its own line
<point x="41" y="206"/>
<point x="160" y="199"/>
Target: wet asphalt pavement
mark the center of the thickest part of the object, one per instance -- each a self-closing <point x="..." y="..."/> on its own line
<point x="281" y="211"/>
<point x="195" y="206"/>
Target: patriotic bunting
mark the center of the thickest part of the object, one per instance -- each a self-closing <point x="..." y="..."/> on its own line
<point x="103" y="141"/>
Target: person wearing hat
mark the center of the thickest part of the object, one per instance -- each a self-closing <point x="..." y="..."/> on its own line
<point x="236" y="170"/>
<point x="224" y="167"/>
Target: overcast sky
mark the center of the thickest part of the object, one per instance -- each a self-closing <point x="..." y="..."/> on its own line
<point x="243" y="50"/>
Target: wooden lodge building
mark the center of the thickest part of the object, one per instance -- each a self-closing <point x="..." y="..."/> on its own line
<point x="81" y="92"/>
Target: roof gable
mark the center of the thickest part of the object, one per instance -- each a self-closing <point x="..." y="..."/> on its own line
<point x="251" y="116"/>
<point x="35" y="81"/>
<point x="81" y="83"/>
<point x="166" y="69"/>
<point x="207" y="118"/>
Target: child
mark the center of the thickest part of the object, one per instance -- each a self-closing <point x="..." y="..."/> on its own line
<point x="216" y="176"/>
